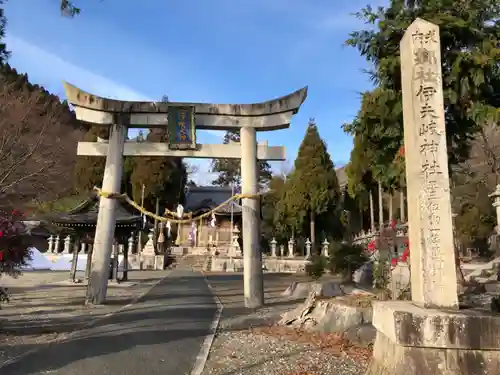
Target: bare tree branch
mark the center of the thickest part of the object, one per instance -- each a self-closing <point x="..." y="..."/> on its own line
<point x="37" y="146"/>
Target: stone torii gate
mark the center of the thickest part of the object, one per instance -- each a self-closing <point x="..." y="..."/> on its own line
<point x="182" y="120"/>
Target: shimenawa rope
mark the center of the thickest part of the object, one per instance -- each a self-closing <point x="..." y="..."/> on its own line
<point x="164" y="219"/>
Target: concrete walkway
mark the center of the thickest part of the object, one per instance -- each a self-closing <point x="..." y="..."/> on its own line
<point x="161" y="334"/>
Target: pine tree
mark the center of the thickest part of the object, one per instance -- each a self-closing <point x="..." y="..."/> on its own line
<point x="230" y="169"/>
<point x="313" y="192"/>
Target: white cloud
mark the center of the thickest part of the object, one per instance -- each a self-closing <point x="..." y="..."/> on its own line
<point x="51" y="70"/>
<point x="48" y="69"/>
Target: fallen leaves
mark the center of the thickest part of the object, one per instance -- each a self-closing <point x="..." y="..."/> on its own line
<point x="332" y="342"/>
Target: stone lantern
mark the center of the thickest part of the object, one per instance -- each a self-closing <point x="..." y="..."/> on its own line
<point x="325" y="248"/>
<point x="308" y="248"/>
<point x="496" y="203"/>
<point x="273" y="244"/>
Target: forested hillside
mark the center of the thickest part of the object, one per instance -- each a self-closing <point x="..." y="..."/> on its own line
<point x="38" y="139"/>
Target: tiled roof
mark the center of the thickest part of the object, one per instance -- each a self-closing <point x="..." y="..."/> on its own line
<point x="87" y="212"/>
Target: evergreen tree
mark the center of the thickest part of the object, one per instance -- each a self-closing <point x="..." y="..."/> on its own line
<point x="270" y="201"/>
<point x="89" y="170"/>
<point x="4" y="54"/>
<point x="470" y="40"/>
<point x="313" y="192"/>
<point x="230" y="169"/>
<point x="163" y="177"/>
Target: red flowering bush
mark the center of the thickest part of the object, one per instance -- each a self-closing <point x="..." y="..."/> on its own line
<point x="372" y="247"/>
<point x="14" y="253"/>
<point x="404" y="257"/>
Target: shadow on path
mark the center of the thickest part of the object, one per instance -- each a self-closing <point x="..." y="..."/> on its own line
<point x="162" y="334"/>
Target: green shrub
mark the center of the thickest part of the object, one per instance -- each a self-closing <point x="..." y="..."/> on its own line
<point x="381" y="272"/>
<point x="345" y="258"/>
<point x="316" y="268"/>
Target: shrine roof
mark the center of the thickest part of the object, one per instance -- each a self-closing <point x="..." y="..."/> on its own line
<point x="85" y="214"/>
<point x="287" y="103"/>
<point x="204" y="198"/>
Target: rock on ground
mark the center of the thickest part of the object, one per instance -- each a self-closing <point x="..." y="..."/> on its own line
<point x="248" y="342"/>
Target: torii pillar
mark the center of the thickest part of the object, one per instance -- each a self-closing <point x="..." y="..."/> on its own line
<point x="120" y="115"/>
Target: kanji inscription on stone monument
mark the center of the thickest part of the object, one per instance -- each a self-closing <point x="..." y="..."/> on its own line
<point x="433" y="272"/>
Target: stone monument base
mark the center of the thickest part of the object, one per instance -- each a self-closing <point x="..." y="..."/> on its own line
<point x="412" y="340"/>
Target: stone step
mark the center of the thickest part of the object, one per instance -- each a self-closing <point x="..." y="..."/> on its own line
<point x="196" y="262"/>
<point x="477" y="269"/>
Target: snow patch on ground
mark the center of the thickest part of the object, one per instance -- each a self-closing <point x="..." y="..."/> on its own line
<point x="51" y="262"/>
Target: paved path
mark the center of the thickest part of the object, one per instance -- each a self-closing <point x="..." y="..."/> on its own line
<point x="161" y="334"/>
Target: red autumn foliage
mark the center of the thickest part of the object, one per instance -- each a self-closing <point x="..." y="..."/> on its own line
<point x="14" y="253"/>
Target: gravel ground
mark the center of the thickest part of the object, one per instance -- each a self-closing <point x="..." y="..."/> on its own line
<point x="254" y="353"/>
<point x="249" y="342"/>
<point x="44" y="308"/>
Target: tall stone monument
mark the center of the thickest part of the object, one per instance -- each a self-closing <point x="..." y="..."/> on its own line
<point x="434" y="282"/>
<point x="430" y="335"/>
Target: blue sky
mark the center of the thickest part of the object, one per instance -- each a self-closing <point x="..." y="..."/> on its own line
<point x="220" y="51"/>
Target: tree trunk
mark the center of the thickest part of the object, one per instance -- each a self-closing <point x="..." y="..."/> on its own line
<point x="391" y="213"/>
<point x="402" y="206"/>
<point x="155" y="228"/>
<point x="380" y="208"/>
<point x="372" y="213"/>
<point x="361" y="214"/>
<point x="313" y="231"/>
<point x="460" y="275"/>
